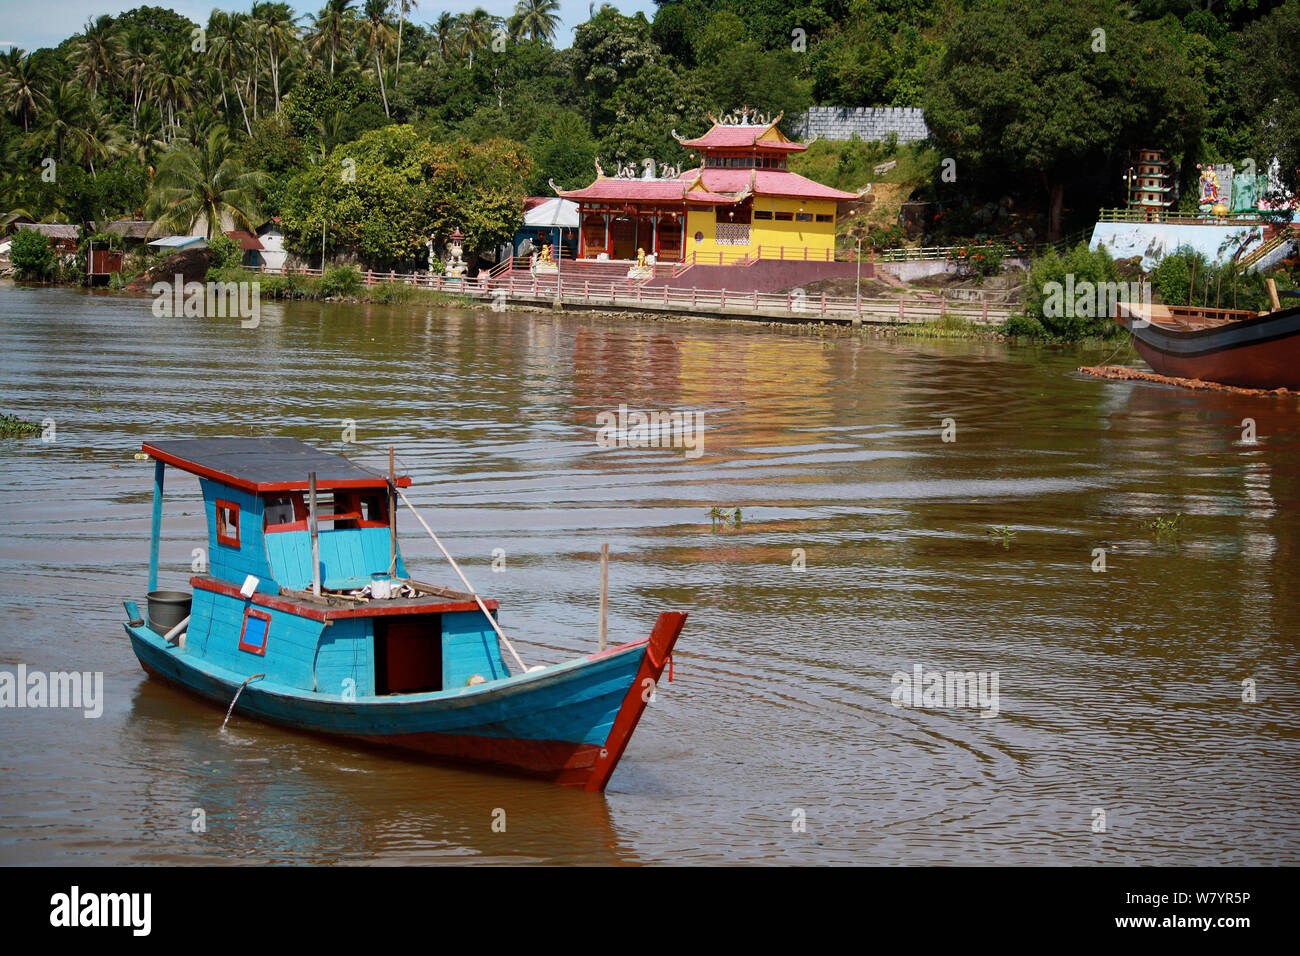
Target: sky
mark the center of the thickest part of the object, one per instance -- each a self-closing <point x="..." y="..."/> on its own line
<point x="31" y="25"/>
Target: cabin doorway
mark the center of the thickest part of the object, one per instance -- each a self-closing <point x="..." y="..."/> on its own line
<point x="408" y="654"/>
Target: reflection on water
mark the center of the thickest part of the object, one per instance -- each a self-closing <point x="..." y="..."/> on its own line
<point x="1119" y="690"/>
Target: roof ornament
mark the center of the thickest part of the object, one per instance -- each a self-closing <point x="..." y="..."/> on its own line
<point x="554" y="188"/>
<point x="600" y="173"/>
<point x="648" y="168"/>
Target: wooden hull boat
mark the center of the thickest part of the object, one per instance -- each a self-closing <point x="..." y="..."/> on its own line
<point x="1230" y="347"/>
<point x="289" y="628"/>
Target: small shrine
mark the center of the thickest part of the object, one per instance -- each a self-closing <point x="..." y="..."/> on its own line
<point x="455" y="267"/>
<point x="1150" y="183"/>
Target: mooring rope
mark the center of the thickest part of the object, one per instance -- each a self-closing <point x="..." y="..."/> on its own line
<point x="455" y="567"/>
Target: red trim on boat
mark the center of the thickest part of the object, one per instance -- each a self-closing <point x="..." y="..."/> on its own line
<point x="257" y="488"/>
<point x="375" y="609"/>
<point x="666" y="631"/>
<point x="259" y="649"/>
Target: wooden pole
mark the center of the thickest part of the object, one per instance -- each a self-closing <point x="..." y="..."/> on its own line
<point x="315" y="534"/>
<point x="1272" y="294"/>
<point x="156" y="530"/>
<point x="392" y="514"/>
<point x="456" y="567"/>
<point x="604" y="591"/>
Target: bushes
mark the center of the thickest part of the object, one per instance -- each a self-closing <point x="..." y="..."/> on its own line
<point x="1185" y="277"/>
<point x="340" y="280"/>
<point x="1064" y="295"/>
<point x="980" y="257"/>
<point x="226" y="252"/>
<point x="31" y="254"/>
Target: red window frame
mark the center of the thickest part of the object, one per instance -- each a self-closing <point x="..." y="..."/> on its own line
<point x="222" y="537"/>
<point x="266" y="636"/>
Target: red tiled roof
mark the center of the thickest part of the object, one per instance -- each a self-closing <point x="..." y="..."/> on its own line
<point x="532" y="202"/>
<point x="246" y="240"/>
<point x="770" y="182"/>
<point x="736" y="137"/>
<point x="615" y="190"/>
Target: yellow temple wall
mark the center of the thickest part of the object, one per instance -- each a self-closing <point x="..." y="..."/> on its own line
<point x="772" y="234"/>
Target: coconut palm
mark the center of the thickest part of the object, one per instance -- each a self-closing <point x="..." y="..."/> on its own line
<point x="207" y="183"/>
<point x="96" y="55"/>
<point x="169" y="86"/>
<point x="403" y="8"/>
<point x="445" y="32"/>
<point x="376" y="35"/>
<point x="331" y="28"/>
<point x="61" y="122"/>
<point x="274" y="23"/>
<point x="145" y="139"/>
<point x="475" y="31"/>
<point x="100" y="138"/>
<point x="134" y="67"/>
<point x="536" y="19"/>
<point x="23" y="87"/>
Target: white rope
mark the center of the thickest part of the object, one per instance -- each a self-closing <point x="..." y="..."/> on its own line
<point x="455" y="567"/>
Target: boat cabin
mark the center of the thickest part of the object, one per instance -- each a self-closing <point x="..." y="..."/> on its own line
<point x="305" y="580"/>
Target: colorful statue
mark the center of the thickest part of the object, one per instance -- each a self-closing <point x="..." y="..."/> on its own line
<point x="1209" y="185"/>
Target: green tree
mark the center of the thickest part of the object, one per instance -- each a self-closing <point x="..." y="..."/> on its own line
<point x="208" y="184"/>
<point x="1023" y="90"/>
<point x="31" y="254"/>
<point x="1269" y="74"/>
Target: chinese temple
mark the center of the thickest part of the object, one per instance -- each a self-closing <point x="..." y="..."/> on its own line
<point x="741" y="202"/>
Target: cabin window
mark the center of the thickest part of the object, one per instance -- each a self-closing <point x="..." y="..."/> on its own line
<point x="783" y="216"/>
<point x="253" y="637"/>
<point x="821" y="217"/>
<point x="762" y="214"/>
<point x="279" y="511"/>
<point x="227" y="523"/>
<point x="803" y="217"/>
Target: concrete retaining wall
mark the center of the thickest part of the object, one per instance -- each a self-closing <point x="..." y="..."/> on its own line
<point x="767" y="275"/>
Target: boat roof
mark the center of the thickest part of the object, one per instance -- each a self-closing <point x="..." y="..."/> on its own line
<point x="260" y="465"/>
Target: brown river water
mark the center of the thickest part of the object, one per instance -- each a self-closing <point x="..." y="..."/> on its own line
<point x="1121" y="735"/>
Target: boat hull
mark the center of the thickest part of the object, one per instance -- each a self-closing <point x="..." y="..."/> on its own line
<point x="568" y="724"/>
<point x="1261" y="352"/>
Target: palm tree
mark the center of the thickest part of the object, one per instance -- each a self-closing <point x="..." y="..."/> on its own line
<point x="331" y="27"/>
<point x="224" y="30"/>
<point x="135" y="67"/>
<point x="99" y="137"/>
<point x="169" y="85"/>
<point x="62" y="121"/>
<point x="275" y="24"/>
<point x="207" y="183"/>
<point x="23" y="87"/>
<point x="403" y="8"/>
<point x="445" y="31"/>
<point x="475" y="31"/>
<point x="146" y="137"/>
<point x="377" y="35"/>
<point x="536" y="19"/>
<point x="97" y="55"/>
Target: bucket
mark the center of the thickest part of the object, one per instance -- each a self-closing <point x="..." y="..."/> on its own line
<point x="167" y="609"/>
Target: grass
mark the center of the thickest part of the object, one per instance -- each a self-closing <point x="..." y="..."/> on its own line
<point x="724" y="517"/>
<point x="11" y="426"/>
<point x="1004" y="533"/>
<point x="1165" y="526"/>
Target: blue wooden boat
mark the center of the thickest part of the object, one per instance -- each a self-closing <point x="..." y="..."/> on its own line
<point x="291" y="622"/>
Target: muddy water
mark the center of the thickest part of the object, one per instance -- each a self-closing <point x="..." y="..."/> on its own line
<point x="1119" y="691"/>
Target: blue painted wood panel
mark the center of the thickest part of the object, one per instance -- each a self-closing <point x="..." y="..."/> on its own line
<point x="469" y="646"/>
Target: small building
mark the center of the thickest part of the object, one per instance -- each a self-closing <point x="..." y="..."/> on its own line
<point x="172" y="243"/>
<point x="134" y="232"/>
<point x="63" y="238"/>
<point x="548" y="222"/>
<point x="250" y="246"/>
<point x="741" y="203"/>
<point x="273" y="254"/>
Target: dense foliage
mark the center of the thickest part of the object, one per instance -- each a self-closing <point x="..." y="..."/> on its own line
<point x="237" y="117"/>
